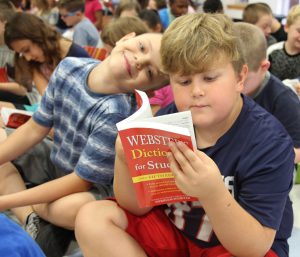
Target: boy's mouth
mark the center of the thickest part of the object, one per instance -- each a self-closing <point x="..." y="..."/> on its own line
<point x="127" y="65"/>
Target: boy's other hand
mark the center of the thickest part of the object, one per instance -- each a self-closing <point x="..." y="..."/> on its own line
<point x="195" y="173"/>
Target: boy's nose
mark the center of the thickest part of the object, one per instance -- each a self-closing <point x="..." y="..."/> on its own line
<point x="197" y="90"/>
<point x="141" y="61"/>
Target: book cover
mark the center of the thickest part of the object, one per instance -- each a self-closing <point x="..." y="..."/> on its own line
<point x="145" y="141"/>
<point x="14" y="118"/>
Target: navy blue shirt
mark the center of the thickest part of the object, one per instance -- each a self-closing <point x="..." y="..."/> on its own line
<point x="284" y="104"/>
<point x="256" y="159"/>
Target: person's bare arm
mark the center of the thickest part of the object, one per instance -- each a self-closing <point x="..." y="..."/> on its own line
<point x="45" y="193"/>
<point x="123" y="185"/>
<point x="14" y="88"/>
<point x="40" y="82"/>
<point x="21" y="140"/>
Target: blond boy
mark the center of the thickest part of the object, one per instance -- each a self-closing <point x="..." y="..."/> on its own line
<point x="284" y="56"/>
<point x="241" y="173"/>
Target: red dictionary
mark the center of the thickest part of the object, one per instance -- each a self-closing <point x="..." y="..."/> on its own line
<point x="145" y="141"/>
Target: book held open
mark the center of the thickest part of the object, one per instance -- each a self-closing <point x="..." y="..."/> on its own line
<point x="145" y="141"/>
<point x="14" y="118"/>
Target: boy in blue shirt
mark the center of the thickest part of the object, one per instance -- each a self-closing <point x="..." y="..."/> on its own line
<point x="83" y="102"/>
<point x="241" y="172"/>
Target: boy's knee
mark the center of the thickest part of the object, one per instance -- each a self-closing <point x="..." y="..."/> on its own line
<point x="104" y="213"/>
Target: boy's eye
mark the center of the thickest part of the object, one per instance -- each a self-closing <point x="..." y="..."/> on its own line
<point x="141" y="46"/>
<point x="210" y="78"/>
<point x="185" y="82"/>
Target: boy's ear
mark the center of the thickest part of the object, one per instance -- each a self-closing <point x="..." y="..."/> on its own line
<point x="286" y="28"/>
<point x="126" y="37"/>
<point x="242" y="77"/>
<point x="265" y="65"/>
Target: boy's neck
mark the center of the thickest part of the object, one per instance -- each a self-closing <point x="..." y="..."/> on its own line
<point x="290" y="49"/>
<point x="101" y="81"/>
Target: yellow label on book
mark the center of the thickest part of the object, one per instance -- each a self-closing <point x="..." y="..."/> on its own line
<point x="150" y="177"/>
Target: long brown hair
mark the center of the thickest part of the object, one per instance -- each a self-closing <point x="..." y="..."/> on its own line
<point x="27" y="26"/>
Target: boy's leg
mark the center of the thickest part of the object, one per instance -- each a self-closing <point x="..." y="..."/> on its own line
<point x="100" y="231"/>
<point x="63" y="211"/>
<point x="11" y="182"/>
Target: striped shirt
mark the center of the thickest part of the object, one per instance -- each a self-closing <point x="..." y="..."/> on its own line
<point x="83" y="121"/>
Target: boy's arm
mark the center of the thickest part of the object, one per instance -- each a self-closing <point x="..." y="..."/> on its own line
<point x="297" y="155"/>
<point x="14" y="88"/>
<point x="123" y="186"/>
<point x="197" y="175"/>
<point x="45" y="193"/>
<point x="21" y="140"/>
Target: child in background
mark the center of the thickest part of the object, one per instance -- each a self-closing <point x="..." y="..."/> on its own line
<point x="284" y="56"/>
<point x="152" y="20"/>
<point x="267" y="90"/>
<point x="39" y="48"/>
<point x="120" y="27"/>
<point x="9" y="89"/>
<point x="83" y="102"/>
<point x="241" y="173"/>
<point x="128" y="8"/>
<point x="261" y="16"/>
<point x="84" y="31"/>
<point x="213" y="6"/>
<point x="94" y="11"/>
<point x="174" y="9"/>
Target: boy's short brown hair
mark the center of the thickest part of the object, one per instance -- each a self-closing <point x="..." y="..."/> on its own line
<point x="293" y="15"/>
<point x="195" y="43"/>
<point x="71" y="5"/>
<point x="119" y="27"/>
<point x="253" y="12"/>
<point x="253" y="44"/>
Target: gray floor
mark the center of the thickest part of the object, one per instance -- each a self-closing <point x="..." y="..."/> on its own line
<point x="294" y="241"/>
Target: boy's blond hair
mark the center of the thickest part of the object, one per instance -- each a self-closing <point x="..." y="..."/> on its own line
<point x="119" y="27"/>
<point x="253" y="44"/>
<point x="293" y="15"/>
<point x="253" y="12"/>
<point x="196" y="43"/>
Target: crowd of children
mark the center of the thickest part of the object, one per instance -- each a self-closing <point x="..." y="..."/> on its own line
<point x="64" y="170"/>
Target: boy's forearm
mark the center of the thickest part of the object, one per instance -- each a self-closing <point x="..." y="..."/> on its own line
<point x="21" y="140"/>
<point x="238" y="231"/>
<point x="297" y="155"/>
<point x="13" y="88"/>
<point x="45" y="193"/>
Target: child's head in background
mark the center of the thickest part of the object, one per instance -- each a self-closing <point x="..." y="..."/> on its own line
<point x="292" y="29"/>
<point x="254" y="49"/>
<point x="119" y="27"/>
<point x="260" y="15"/>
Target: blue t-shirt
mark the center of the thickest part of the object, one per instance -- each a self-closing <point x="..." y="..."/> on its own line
<point x="86" y="34"/>
<point x="15" y="242"/>
<point x="284" y="104"/>
<point x="256" y="159"/>
<point x="84" y="122"/>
